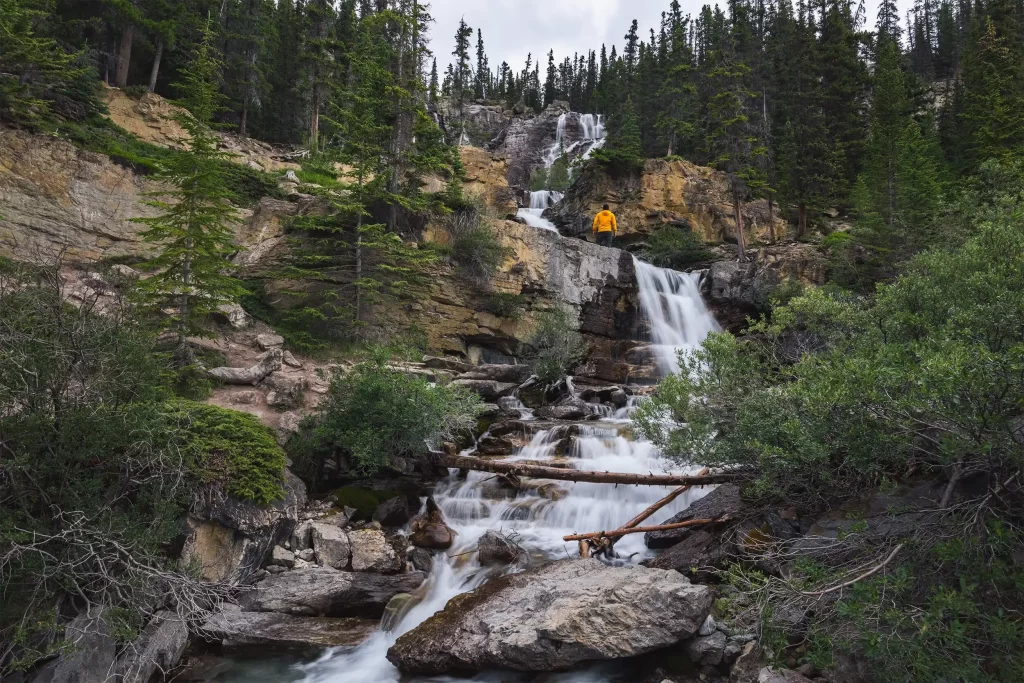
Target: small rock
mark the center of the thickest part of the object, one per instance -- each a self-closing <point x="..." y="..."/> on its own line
<point x="619" y="398"/>
<point x="277" y="569"/>
<point x="124" y="271"/>
<point x="707" y="650"/>
<point x="302" y="537"/>
<point x="748" y="665"/>
<point x="430" y="531"/>
<point x="245" y="398"/>
<point x="282" y="557"/>
<point x="307" y="555"/>
<point x="393" y="513"/>
<point x="234" y="315"/>
<point x="331" y="544"/>
<point x="422" y="560"/>
<point x="708" y="627"/>
<point x="290" y="177"/>
<point x="302" y="564"/>
<point x="769" y="675"/>
<point x="291" y="361"/>
<point x="371" y="552"/>
<point x="495" y="549"/>
<point x="269" y="341"/>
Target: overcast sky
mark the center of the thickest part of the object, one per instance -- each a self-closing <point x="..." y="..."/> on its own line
<point x="513" y="28"/>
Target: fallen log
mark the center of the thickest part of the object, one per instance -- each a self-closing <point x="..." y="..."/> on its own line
<point x="270" y="364"/>
<point x="635" y="522"/>
<point x="643" y="529"/>
<point x="537" y="472"/>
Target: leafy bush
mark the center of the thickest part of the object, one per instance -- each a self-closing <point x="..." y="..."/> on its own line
<point x="376" y="412"/>
<point x="476" y="249"/>
<point x="505" y="305"/>
<point x="675" y="248"/>
<point x="230" y="450"/>
<point x="556" y="345"/>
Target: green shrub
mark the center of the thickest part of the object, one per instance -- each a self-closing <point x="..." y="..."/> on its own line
<point x="376" y="412"/>
<point x="476" y="249"/>
<point x="675" y="248"/>
<point x="556" y="345"/>
<point x="365" y="501"/>
<point x="505" y="305"/>
<point x="230" y="450"/>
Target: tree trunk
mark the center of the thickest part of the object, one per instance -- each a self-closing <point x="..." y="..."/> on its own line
<point x="124" y="56"/>
<point x="155" y="71"/>
<point x="535" y="472"/>
<point x="314" y="116"/>
<point x="739" y="225"/>
<point x="771" y="217"/>
<point x="801" y="228"/>
<point x="186" y="283"/>
<point x="243" y="125"/>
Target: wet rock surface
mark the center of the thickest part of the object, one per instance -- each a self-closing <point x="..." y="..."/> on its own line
<point x="326" y="592"/>
<point x="555" y="617"/>
<point x="281" y="632"/>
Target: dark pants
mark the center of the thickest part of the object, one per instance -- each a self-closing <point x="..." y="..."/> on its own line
<point x="605" y="238"/>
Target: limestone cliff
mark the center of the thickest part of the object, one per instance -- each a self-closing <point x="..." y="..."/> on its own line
<point x="667" y="192"/>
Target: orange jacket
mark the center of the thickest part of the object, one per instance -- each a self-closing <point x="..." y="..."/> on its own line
<point x="605" y="222"/>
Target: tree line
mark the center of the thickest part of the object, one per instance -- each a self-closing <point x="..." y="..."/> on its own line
<point x="800" y="103"/>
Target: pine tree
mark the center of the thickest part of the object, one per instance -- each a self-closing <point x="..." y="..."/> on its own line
<point x="551" y="83"/>
<point x="631" y="52"/>
<point x="193" y="234"/>
<point x="31" y="66"/>
<point x="433" y="92"/>
<point x="320" y="59"/>
<point x="483" y="71"/>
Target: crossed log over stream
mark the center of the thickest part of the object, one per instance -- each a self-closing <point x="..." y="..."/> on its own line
<point x="602" y="541"/>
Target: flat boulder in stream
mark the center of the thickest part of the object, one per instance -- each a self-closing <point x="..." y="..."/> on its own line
<point x="554" y="618"/>
<point x="325" y="592"/>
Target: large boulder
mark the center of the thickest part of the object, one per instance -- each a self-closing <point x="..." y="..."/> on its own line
<point x="495" y="549"/>
<point x="515" y="374"/>
<point x="554" y="618"/>
<point x="159" y="648"/>
<point x="326" y="592"/>
<point x="331" y="545"/>
<point x="238" y="629"/>
<point x="229" y="539"/>
<point x="90" y="657"/>
<point x="371" y="552"/>
<point x="488" y="390"/>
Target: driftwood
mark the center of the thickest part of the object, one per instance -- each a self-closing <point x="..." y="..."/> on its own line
<point x="270" y="364"/>
<point x="635" y="522"/>
<point x="642" y="529"/>
<point x="537" y="472"/>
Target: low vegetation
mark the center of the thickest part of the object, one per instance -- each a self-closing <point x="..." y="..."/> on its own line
<point x="556" y="345"/>
<point x="101" y="462"/>
<point x="676" y="248"/>
<point x="375" y="413"/>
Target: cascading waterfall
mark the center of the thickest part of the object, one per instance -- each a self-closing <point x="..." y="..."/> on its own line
<point x="678" y="317"/>
<point x="541" y="516"/>
<point x="593" y="131"/>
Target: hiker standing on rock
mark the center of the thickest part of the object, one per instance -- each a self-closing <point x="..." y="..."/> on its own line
<point x="605" y="227"/>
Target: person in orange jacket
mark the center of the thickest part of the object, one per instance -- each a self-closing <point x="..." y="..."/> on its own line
<point x="605" y="227"/>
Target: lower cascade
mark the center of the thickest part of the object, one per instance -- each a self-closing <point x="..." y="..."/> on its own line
<point x="538" y="517"/>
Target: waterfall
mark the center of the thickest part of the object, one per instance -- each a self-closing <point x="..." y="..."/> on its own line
<point x="541" y="516"/>
<point x="551" y="156"/>
<point x="678" y="317"/>
<point x="540" y="201"/>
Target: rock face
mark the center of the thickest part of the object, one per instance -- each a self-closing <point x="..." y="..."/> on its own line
<point x="486" y="180"/>
<point x="736" y="290"/>
<point x="482" y="123"/>
<point x="57" y="197"/>
<point x="555" y="617"/>
<point x="665" y="193"/>
<point x="91" y="657"/>
<point x="229" y="539"/>
<point x="238" y="629"/>
<point x="528" y="139"/>
<point x="325" y="592"/>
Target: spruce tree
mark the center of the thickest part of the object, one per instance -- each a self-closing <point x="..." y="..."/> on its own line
<point x="434" y="86"/>
<point x="194" y="234"/>
<point x="550" y="82"/>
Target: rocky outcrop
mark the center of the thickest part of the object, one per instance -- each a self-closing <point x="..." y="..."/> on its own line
<point x="481" y="123"/>
<point x="159" y="648"/>
<point x="542" y="267"/>
<point x="555" y="617"/>
<point x="667" y="192"/>
<point x="486" y="180"/>
<point x="735" y="290"/>
<point x="229" y="539"/>
<point x="91" y="654"/>
<point x="280" y="632"/>
<point x="58" y="199"/>
<point x="326" y="592"/>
